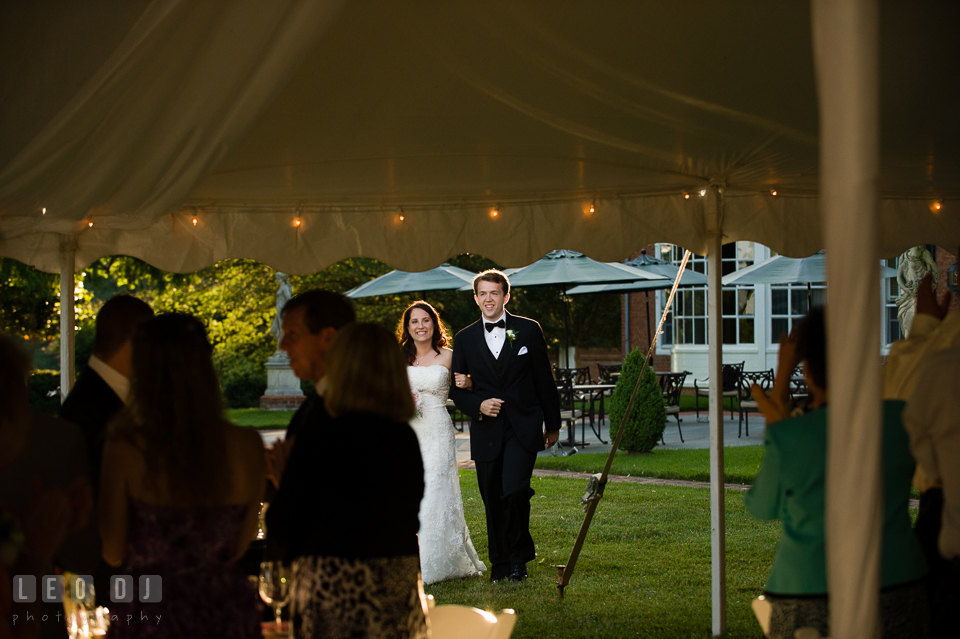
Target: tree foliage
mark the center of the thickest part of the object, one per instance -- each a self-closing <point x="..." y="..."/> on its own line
<point x="236" y="300"/>
<point x="646" y="422"/>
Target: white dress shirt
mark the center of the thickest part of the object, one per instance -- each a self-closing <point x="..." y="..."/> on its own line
<point x="932" y="418"/>
<point x="114" y="378"/>
<point x="496" y="337"/>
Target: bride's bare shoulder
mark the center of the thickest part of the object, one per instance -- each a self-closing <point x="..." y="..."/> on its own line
<point x="445" y="357"/>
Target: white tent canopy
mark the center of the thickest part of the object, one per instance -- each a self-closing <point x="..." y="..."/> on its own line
<point x="139" y="116"/>
<point x="186" y="132"/>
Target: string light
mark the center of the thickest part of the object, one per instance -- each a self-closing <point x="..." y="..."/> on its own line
<point x="593" y="206"/>
<point x="496" y="211"/>
<point x="703" y="192"/>
<point x="89" y="223"/>
<point x="686" y="196"/>
<point x="773" y="192"/>
<point x="401" y="214"/>
<point x="43" y="211"/>
<point x="194" y="220"/>
<point x="938" y="205"/>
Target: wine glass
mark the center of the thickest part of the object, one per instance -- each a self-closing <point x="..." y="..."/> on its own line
<point x="274" y="586"/>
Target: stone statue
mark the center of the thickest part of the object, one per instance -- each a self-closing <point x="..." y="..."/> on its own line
<point x="914" y="265"/>
<point x="284" y="293"/>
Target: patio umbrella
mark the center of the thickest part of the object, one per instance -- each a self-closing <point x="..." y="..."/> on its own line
<point x="789" y="270"/>
<point x="649" y="265"/>
<point x="563" y="268"/>
<point x="441" y="278"/>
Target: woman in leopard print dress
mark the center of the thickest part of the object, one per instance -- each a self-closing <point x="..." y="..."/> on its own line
<point x="349" y="519"/>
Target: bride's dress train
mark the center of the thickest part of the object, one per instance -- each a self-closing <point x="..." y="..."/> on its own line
<point x="446" y="551"/>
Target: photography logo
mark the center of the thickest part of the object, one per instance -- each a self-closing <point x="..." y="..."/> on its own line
<point x="149" y="589"/>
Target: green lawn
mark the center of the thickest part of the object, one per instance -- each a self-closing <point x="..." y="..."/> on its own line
<point x="259" y="418"/>
<point x="740" y="463"/>
<point x="644" y="570"/>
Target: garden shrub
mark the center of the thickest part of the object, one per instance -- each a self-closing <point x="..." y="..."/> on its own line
<point x="645" y="425"/>
<point x="43" y="387"/>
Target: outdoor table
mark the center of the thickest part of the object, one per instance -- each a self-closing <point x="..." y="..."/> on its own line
<point x="593" y="391"/>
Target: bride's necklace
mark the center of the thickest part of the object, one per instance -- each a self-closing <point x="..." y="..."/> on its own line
<point x="417" y="363"/>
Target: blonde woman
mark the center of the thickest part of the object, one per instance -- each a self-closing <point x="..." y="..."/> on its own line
<point x="346" y="511"/>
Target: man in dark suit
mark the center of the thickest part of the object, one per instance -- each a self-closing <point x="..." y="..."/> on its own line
<point x="513" y="397"/>
<point x="102" y="388"/>
<point x="101" y="392"/>
<point x="310" y="322"/>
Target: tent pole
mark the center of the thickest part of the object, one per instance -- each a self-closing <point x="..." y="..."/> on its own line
<point x="846" y="53"/>
<point x="68" y="256"/>
<point x="718" y="542"/>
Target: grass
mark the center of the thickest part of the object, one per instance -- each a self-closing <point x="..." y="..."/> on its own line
<point x="256" y="418"/>
<point x="740" y="463"/>
<point x="644" y="570"/>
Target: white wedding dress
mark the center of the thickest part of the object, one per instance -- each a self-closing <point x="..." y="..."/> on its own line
<point x="446" y="551"/>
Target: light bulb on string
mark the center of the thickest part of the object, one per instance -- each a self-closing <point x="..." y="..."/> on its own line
<point x="193" y="219"/>
<point x="703" y="192"/>
<point x="43" y="211"/>
<point x="297" y="221"/>
<point x="400" y="217"/>
<point x="496" y="211"/>
<point x="938" y="205"/>
<point x="89" y="223"/>
<point x="686" y="196"/>
<point x="593" y="206"/>
<point x="773" y="192"/>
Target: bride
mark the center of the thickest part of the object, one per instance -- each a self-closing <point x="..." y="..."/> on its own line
<point x="446" y="551"/>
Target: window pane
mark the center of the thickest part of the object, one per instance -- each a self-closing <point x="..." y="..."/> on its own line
<point x="700" y="303"/>
<point x="701" y="331"/>
<point x="688" y="331"/>
<point x="798" y="300"/>
<point x="729" y="302"/>
<point x="727" y="267"/>
<point x="779" y="301"/>
<point x="745" y="250"/>
<point x="728" y="251"/>
<point x="729" y="330"/>
<point x="819" y="296"/>
<point x="745" y="301"/>
<point x="778" y="326"/>
<point x="746" y="331"/>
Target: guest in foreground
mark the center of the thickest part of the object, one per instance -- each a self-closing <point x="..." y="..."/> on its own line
<point x="933" y="420"/>
<point x="180" y="491"/>
<point x="309" y="322"/>
<point x="33" y="530"/>
<point x="790" y="487"/>
<point x="347" y="506"/>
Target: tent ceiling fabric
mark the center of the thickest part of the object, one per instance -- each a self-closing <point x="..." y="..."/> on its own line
<point x="140" y="116"/>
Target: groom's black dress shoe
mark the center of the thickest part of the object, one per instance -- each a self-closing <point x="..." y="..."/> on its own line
<point x="499" y="573"/>
<point x="518" y="572"/>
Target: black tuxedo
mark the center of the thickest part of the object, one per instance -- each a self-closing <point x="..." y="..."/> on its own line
<point x="505" y="447"/>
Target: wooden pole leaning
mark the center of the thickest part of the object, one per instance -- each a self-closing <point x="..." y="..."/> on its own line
<point x="599" y="481"/>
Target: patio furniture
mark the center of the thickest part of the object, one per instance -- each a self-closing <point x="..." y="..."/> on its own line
<point x="457" y="423"/>
<point x="730" y="388"/>
<point x="608" y="373"/>
<point x="569" y="413"/>
<point x="764" y="379"/>
<point x="671" y="386"/>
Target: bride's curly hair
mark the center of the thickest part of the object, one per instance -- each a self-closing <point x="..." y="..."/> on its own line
<point x="440" y="336"/>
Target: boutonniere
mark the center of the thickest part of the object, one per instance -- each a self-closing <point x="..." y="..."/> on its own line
<point x="511" y="335"/>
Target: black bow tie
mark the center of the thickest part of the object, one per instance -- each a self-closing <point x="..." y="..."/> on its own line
<point x="492" y="325"/>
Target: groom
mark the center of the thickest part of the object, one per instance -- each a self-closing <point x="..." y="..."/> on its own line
<point x="512" y="398"/>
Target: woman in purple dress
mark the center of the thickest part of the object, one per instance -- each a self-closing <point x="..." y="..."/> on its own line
<point x="180" y="493"/>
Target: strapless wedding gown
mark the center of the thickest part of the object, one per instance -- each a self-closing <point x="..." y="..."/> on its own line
<point x="446" y="551"/>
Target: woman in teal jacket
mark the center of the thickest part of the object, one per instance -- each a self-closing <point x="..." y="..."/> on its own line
<point x="790" y="487"/>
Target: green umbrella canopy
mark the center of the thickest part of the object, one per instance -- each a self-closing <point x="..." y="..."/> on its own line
<point x="442" y="278"/>
<point x="650" y="266"/>
<point x="788" y="270"/>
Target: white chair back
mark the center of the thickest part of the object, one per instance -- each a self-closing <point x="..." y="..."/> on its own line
<point x="464" y="622"/>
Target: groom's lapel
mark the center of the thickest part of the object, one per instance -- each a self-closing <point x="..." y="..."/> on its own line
<point x="485" y="350"/>
<point x="509" y="351"/>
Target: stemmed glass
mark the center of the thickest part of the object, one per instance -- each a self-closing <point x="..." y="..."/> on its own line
<point x="274" y="587"/>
